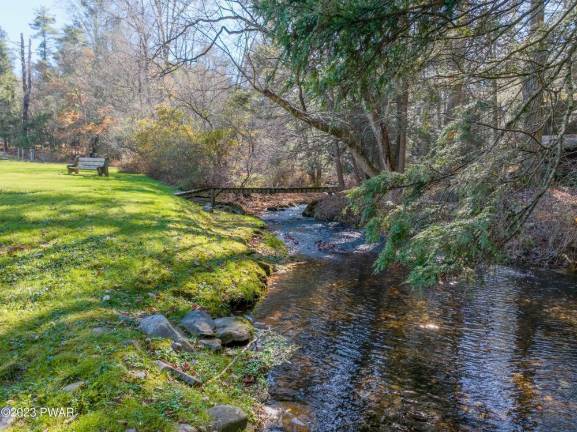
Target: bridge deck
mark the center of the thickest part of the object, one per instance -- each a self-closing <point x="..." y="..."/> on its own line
<point x="259" y="190"/>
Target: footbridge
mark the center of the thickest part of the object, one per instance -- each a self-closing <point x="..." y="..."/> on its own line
<point x="214" y="191"/>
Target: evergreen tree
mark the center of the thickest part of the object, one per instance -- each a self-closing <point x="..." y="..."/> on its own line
<point x="7" y="93"/>
<point x="43" y="24"/>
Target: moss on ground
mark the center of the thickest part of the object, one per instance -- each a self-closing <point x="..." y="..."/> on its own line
<point x="66" y="242"/>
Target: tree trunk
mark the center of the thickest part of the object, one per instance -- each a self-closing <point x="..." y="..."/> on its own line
<point x="531" y="87"/>
<point x="456" y="96"/>
<point x="94" y="146"/>
<point x="496" y="108"/>
<point x="402" y="119"/>
<point x="383" y="150"/>
<point x="381" y="133"/>
<point x="25" y="88"/>
<point x="359" y="175"/>
<point x="339" y="165"/>
<point x="495" y="99"/>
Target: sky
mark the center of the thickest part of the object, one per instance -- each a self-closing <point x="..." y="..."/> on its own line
<point x="16" y="15"/>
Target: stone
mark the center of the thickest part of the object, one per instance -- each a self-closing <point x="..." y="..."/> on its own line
<point x="233" y="330"/>
<point x="284" y="392"/>
<point x="186" y="428"/>
<point x="70" y="388"/>
<point x="188" y="379"/>
<point x="227" y="418"/>
<point x="211" y="344"/>
<point x="137" y="374"/>
<point x="158" y="326"/>
<point x="106" y="298"/>
<point x="198" y="323"/>
<point x="296" y="425"/>
<point x="290" y="416"/>
<point x="309" y="210"/>
<point x="97" y="331"/>
<point x="182" y="346"/>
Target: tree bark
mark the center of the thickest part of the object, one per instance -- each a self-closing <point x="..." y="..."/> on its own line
<point x="359" y="175"/>
<point x="26" y="82"/>
<point x="495" y="100"/>
<point x="339" y="165"/>
<point x="402" y="119"/>
<point x="456" y="96"/>
<point x="455" y="100"/>
<point x="532" y="87"/>
<point x="381" y="135"/>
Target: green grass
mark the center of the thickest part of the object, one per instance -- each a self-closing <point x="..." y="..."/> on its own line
<point x="67" y="241"/>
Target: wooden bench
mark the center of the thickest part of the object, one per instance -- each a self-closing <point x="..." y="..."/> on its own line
<point x="100" y="165"/>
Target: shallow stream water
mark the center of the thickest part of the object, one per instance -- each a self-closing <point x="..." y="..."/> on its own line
<point x="373" y="354"/>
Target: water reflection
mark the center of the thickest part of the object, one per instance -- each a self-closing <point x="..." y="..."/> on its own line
<point x="376" y="355"/>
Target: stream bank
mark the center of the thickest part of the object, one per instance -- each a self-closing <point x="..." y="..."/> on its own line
<point x="547" y="240"/>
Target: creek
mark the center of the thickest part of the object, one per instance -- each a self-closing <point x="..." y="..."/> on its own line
<point x="373" y="354"/>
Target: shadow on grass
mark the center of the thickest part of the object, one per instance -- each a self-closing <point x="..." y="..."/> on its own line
<point x="88" y="241"/>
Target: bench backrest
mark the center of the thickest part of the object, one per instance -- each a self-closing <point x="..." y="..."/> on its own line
<point x="91" y="163"/>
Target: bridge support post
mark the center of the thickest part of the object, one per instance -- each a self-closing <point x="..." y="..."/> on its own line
<point x="212" y="199"/>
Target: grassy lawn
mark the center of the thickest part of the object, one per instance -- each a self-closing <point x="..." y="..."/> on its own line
<point x="66" y="242"/>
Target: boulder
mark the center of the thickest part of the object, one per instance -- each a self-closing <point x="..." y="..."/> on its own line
<point x="183" y="345"/>
<point x="198" y="323"/>
<point x="70" y="388"/>
<point x="233" y="330"/>
<point x="309" y="210"/>
<point x="137" y="374"/>
<point x="295" y="424"/>
<point x="227" y="418"/>
<point x="158" y="326"/>
<point x="211" y="344"/>
<point x="97" y="331"/>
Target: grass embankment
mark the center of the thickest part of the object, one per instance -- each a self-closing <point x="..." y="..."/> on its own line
<point x="66" y="242"/>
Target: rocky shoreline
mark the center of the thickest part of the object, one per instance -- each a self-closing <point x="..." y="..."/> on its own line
<point x="205" y="333"/>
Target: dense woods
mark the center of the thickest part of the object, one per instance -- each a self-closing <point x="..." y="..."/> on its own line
<point x="455" y="118"/>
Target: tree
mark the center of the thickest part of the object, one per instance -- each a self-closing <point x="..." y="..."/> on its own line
<point x="473" y="191"/>
<point x="8" y="117"/>
<point x="26" y="69"/>
<point x="356" y="49"/>
<point x="43" y="24"/>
